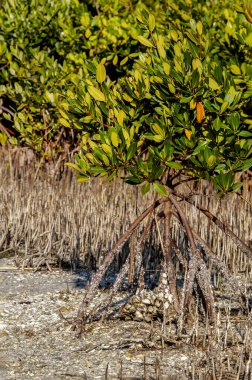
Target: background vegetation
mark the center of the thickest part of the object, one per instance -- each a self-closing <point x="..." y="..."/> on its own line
<point x="48" y="51"/>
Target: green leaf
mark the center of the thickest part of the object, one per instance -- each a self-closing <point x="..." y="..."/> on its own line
<point x="160" y="189"/>
<point x="236" y="186"/>
<point x="131" y="151"/>
<point x="174" y="165"/>
<point x="145" y="188"/>
<point x="245" y="134"/>
<point x="234" y="120"/>
<point x="96" y="94"/>
<point x="200" y="146"/>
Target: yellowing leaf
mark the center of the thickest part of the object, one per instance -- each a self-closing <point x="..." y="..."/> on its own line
<point x="115" y="59"/>
<point x="151" y="22"/>
<point x="105" y="160"/>
<point x="120" y="117"/>
<point x="196" y="64"/>
<point x="88" y="99"/>
<point x="114" y="139"/>
<point x="144" y="41"/>
<point x="235" y="70"/>
<point x="166" y="68"/>
<point x="174" y="35"/>
<point x="200" y="112"/>
<point x="63" y="114"/>
<point x="137" y="75"/>
<point x="230" y="95"/>
<point x="126" y="136"/>
<point x="90" y="156"/>
<point x="247" y="7"/>
<point x="123" y="61"/>
<point x="171" y="88"/>
<point x="156" y="128"/>
<point x="100" y="73"/>
<point x="96" y="94"/>
<point x="158" y="138"/>
<point x="148" y="60"/>
<point x="85" y="20"/>
<point x="224" y="106"/>
<point x="192" y="104"/>
<point x="199" y="27"/>
<point x="107" y="149"/>
<point x="248" y="40"/>
<point x="64" y="122"/>
<point x="188" y="134"/>
<point x="211" y="161"/>
<point x="127" y="97"/>
<point x="88" y="33"/>
<point x="213" y="84"/>
<point x="160" y="47"/>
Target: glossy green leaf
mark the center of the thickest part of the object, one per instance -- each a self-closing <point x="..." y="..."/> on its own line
<point x="160" y="189"/>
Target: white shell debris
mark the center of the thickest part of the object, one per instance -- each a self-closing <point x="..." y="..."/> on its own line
<point x="148" y="305"/>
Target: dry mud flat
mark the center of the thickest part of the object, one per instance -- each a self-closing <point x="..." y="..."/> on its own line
<point x="35" y="343"/>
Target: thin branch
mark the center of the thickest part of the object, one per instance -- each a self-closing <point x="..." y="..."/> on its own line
<point x="4" y="130"/>
<point x="7" y="110"/>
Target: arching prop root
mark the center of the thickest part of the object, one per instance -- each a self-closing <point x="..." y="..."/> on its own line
<point x="107" y="261"/>
<point x="193" y="263"/>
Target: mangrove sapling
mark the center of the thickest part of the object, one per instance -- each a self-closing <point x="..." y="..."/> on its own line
<point x="178" y="116"/>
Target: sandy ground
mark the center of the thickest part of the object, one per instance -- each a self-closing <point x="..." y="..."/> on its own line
<point x="36" y="343"/>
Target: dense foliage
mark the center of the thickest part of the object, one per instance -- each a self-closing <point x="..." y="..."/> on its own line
<point x="43" y="51"/>
<point x="184" y="107"/>
<point x="168" y="84"/>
